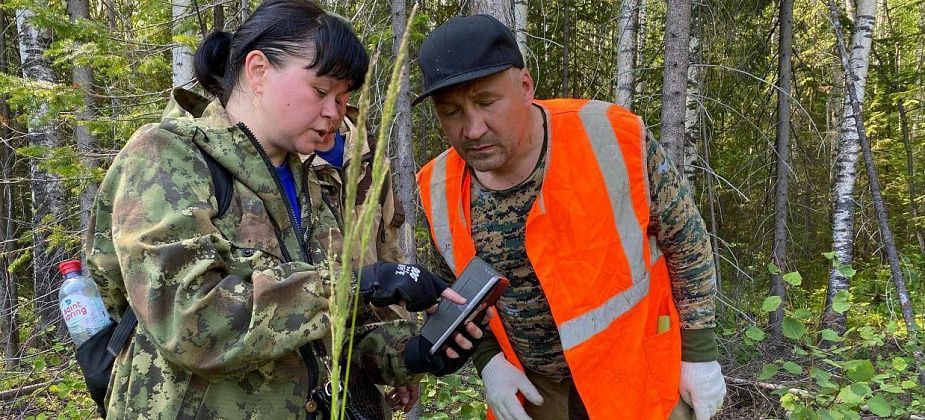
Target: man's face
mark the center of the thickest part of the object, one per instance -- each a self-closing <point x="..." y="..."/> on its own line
<point x="488" y="120"/>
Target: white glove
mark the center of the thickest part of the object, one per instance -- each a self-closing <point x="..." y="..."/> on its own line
<point x="502" y="381"/>
<point x="702" y="387"/>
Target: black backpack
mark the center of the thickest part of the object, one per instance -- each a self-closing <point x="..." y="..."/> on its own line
<point x="96" y="355"/>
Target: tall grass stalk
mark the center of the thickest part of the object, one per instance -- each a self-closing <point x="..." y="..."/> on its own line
<point x="358" y="227"/>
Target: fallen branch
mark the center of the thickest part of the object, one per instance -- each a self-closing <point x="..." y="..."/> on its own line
<point x="768" y="386"/>
<point x="25" y="390"/>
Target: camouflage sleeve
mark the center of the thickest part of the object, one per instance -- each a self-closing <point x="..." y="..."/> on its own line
<point x="381" y="349"/>
<point x="683" y="238"/>
<point x="177" y="281"/>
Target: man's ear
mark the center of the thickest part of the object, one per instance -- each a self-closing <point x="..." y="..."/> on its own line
<point x="526" y="83"/>
<point x="256" y="66"/>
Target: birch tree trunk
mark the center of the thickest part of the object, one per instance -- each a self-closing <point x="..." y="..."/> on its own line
<point x="882" y="219"/>
<point x="86" y="143"/>
<point x="626" y="53"/>
<point x="182" y="55"/>
<point x="782" y="176"/>
<point x="846" y="163"/>
<point x="674" y="79"/>
<point x="48" y="193"/>
<point x="9" y="327"/>
<point x="406" y="187"/>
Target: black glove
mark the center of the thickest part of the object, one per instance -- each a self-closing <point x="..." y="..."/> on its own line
<point x="385" y="283"/>
<point x="419" y="360"/>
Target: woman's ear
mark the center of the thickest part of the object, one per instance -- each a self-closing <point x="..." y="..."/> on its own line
<point x="256" y="66"/>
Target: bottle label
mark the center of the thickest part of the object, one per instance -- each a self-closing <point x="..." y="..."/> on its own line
<point x="84" y="313"/>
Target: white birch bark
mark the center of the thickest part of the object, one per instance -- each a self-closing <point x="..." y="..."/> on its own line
<point x="48" y="192"/>
<point x="846" y="163"/>
<point x="182" y="55"/>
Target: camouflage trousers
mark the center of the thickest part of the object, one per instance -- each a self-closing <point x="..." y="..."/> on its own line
<point x="561" y="401"/>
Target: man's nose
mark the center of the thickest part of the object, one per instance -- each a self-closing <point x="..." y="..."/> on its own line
<point x="475" y="128"/>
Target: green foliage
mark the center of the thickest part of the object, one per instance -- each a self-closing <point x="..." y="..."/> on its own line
<point x="452" y="397"/>
<point x="858" y="373"/>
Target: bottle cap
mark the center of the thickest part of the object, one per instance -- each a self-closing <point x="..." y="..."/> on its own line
<point x="68" y="266"/>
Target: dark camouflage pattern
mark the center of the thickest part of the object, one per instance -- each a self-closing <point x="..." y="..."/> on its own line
<point x="683" y="237"/>
<point x="223" y="304"/>
<point x="499" y="230"/>
<point x="674" y="220"/>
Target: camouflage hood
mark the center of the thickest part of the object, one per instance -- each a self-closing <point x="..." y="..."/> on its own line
<point x="190" y="115"/>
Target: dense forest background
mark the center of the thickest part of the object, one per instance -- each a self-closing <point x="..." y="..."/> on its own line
<point x="799" y="124"/>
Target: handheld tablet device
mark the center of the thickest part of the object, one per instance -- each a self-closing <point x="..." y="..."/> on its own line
<point x="481" y="285"/>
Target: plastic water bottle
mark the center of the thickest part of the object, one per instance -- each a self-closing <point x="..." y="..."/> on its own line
<point x="80" y="303"/>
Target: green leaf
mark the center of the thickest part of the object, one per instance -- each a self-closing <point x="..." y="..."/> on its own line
<point x="771" y="304"/>
<point x="851" y="395"/>
<point x="754" y="333"/>
<point x="773" y="268"/>
<point x="841" y="302"/>
<point x="794" y="278"/>
<point x="792" y="368"/>
<point x="767" y="371"/>
<point x="859" y="370"/>
<point x="879" y="406"/>
<point x="793" y="328"/>
<point x="829" y="255"/>
<point x="39" y="364"/>
<point x="802" y="314"/>
<point x="900" y="364"/>
<point x="847" y="271"/>
<point x="823" y="379"/>
<point x="829" y="334"/>
<point x="907" y="384"/>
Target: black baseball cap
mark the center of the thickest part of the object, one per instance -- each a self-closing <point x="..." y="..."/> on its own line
<point x="466" y="48"/>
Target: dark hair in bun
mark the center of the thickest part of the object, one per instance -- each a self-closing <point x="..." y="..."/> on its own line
<point x="211" y="61"/>
<point x="281" y="28"/>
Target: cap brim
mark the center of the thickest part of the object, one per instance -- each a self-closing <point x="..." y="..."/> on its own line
<point x="460" y="78"/>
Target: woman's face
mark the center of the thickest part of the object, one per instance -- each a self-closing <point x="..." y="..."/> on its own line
<point x="299" y="108"/>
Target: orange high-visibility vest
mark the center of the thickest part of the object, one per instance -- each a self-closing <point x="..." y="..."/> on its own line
<point x="586" y="237"/>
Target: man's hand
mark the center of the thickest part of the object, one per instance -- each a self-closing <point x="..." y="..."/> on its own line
<point x="502" y="382"/>
<point x="385" y="283"/>
<point x="449" y="360"/>
<point x="702" y="387"/>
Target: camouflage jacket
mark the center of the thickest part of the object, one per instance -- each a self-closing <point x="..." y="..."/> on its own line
<point x="232" y="311"/>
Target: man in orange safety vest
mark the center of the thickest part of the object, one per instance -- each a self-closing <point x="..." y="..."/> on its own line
<point x="610" y="312"/>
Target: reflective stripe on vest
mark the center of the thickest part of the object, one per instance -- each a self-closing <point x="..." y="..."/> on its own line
<point x="612" y="166"/>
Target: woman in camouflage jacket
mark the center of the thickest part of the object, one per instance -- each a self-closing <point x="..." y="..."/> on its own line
<point x="232" y="308"/>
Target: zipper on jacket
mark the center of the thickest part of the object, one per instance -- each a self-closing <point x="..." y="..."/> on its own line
<point x="305" y="350"/>
<point x="295" y="226"/>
